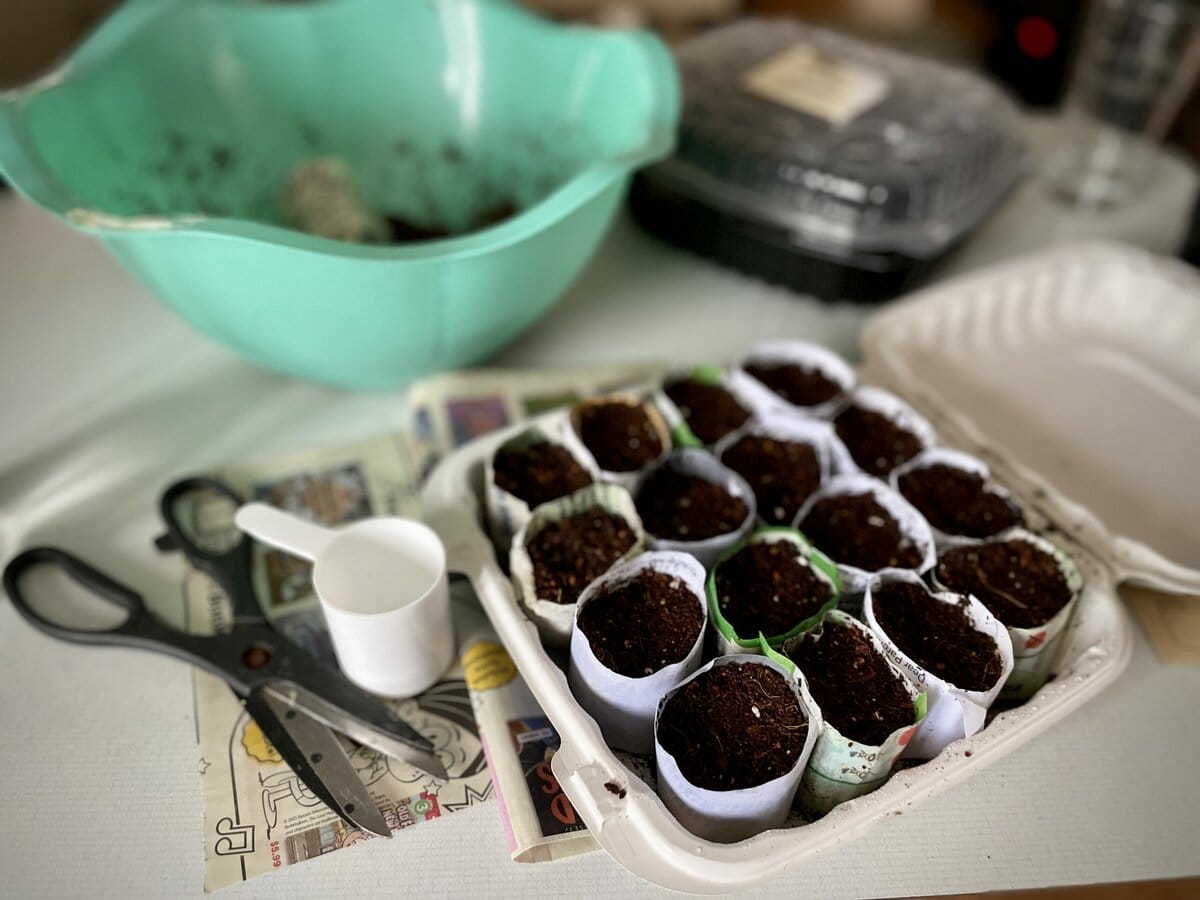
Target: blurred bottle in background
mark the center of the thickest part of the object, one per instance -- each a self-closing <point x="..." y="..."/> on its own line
<point x="1134" y="67"/>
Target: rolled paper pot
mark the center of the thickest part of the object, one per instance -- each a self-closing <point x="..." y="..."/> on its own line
<point x="728" y="816"/>
<point x="729" y="641"/>
<point x="554" y="619"/>
<point x="840" y="768"/>
<point x="953" y="712"/>
<point x="624" y="707"/>
<point x="703" y="465"/>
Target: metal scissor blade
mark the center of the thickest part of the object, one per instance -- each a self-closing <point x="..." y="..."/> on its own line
<point x="401" y="740"/>
<point x="314" y="754"/>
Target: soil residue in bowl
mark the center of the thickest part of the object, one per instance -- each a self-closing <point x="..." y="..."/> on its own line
<point x="638" y="626"/>
<point x="407" y="231"/>
<point x="939" y="637"/>
<point x="571" y="553"/>
<point x="796" y="384"/>
<point x="859" y="693"/>
<point x="711" y="412"/>
<point x="621" y="436"/>
<point x="1021" y="584"/>
<point x="766" y="586"/>
<point x="877" y="443"/>
<point x="735" y="726"/>
<point x="958" y="502"/>
<point x="538" y="473"/>
<point x="782" y="473"/>
<point x="679" y="507"/>
<point x="855" y="530"/>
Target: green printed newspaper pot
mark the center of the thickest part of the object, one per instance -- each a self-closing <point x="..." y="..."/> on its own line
<point x="624" y="708"/>
<point x="788" y="427"/>
<point x="953" y="712"/>
<point x="1033" y="647"/>
<point x="911" y="523"/>
<point x="733" y="815"/>
<point x="841" y="769"/>
<point x="810" y="357"/>
<point x="573" y="436"/>
<point x="729" y="642"/>
<point x="507" y="513"/>
<point x="682" y="435"/>
<point x="554" y="619"/>
<point x="703" y="465"/>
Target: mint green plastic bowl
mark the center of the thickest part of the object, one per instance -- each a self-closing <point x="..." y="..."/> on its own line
<point x="169" y="132"/>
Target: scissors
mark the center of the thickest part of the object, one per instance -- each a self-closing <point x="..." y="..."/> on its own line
<point x="295" y="699"/>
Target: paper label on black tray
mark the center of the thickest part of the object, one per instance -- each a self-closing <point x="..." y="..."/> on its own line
<point x="953" y="712"/>
<point x="805" y="79"/>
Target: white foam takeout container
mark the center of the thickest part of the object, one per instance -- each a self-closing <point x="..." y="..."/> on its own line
<point x="1083" y="363"/>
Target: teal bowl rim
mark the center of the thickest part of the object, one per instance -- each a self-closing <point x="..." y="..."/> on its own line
<point x="29" y="177"/>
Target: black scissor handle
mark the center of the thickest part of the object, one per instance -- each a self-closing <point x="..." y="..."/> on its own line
<point x="228" y="568"/>
<point x="135" y="626"/>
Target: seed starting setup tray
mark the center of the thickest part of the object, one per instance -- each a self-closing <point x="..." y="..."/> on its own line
<point x="1021" y="365"/>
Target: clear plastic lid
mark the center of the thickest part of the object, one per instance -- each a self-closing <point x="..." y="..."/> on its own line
<point x="849" y="146"/>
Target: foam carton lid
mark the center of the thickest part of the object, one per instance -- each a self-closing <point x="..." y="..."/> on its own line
<point x="1083" y="364"/>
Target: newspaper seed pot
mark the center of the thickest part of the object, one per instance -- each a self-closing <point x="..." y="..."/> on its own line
<point x="692" y="503"/>
<point x="784" y="459"/>
<point x="622" y="434"/>
<point x="638" y="631"/>
<point x="527" y="470"/>
<point x="731" y="743"/>
<point x="868" y="708"/>
<point x="793" y="376"/>
<point x="880" y="431"/>
<point x="947" y="643"/>
<point x="705" y="408"/>
<point x="1027" y="583"/>
<point x="566" y="545"/>
<point x="773" y="584"/>
<point x="955" y="494"/>
<point x="867" y="529"/>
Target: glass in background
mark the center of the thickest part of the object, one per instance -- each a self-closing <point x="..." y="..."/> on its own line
<point x="1135" y="64"/>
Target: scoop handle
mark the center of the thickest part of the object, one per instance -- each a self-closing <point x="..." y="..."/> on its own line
<point x="289" y="533"/>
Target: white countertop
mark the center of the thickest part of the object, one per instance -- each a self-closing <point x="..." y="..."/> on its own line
<point x="106" y="395"/>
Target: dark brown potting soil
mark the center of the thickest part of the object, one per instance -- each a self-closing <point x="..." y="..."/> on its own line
<point x="765" y="587"/>
<point x="859" y="693"/>
<point x="1021" y="584"/>
<point x="877" y="443"/>
<point x="939" y="637"/>
<point x="782" y="473"/>
<point x="711" y="412"/>
<point x="855" y="530"/>
<point x="571" y="553"/>
<point x="638" y="626"/>
<point x="735" y="726"/>
<point x="539" y="472"/>
<point x="795" y="384"/>
<point x="679" y="507"/>
<point x="620" y="436"/>
<point x="958" y="502"/>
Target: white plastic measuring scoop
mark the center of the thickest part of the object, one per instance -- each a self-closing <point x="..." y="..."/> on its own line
<point x="383" y="588"/>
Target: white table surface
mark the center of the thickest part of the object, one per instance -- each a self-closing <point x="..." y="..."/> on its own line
<point x="106" y="395"/>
